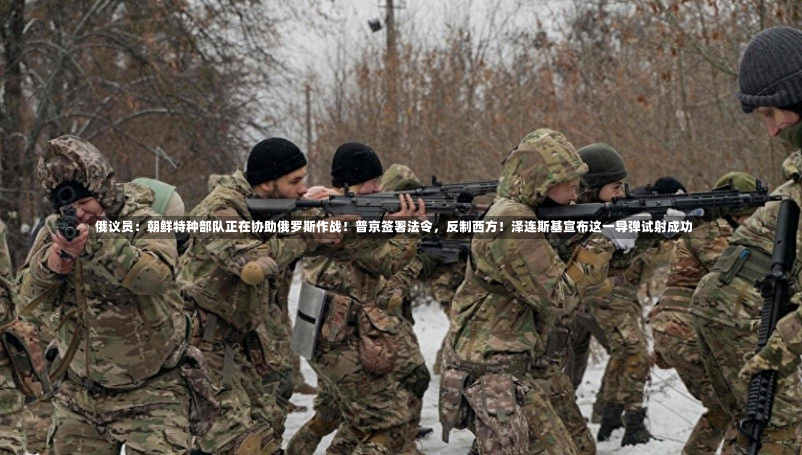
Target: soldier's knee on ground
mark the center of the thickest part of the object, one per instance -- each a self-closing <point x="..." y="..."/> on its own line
<point x="257" y="441"/>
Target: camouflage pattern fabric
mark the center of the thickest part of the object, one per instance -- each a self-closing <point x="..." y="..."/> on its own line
<point x="620" y="316"/>
<point x="410" y="372"/>
<point x="725" y="312"/>
<point x="132" y="324"/>
<point x="557" y="386"/>
<point x="12" y="433"/>
<point x="250" y="318"/>
<point x="151" y="419"/>
<point x="377" y="408"/>
<point x="675" y="340"/>
<point x="491" y="326"/>
<point x="70" y="158"/>
<point x="399" y="177"/>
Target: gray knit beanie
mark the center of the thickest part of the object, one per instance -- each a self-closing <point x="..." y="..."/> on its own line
<point x="770" y="74"/>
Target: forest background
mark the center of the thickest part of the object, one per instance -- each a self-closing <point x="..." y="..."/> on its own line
<point x="181" y="89"/>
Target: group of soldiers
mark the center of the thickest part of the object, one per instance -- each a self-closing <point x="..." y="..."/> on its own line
<point x="169" y="344"/>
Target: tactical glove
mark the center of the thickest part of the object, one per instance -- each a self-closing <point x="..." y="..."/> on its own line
<point x="774" y="356"/>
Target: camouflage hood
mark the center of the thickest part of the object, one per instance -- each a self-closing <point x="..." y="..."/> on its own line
<point x="792" y="167"/>
<point x="137" y="197"/>
<point x="70" y="158"/>
<point x="542" y="160"/>
<point x="399" y="178"/>
<point x="215" y="180"/>
<point x="235" y="181"/>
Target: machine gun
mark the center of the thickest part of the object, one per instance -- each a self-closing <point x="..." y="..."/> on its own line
<point x="658" y="204"/>
<point x="449" y="251"/>
<point x="369" y="207"/>
<point x="462" y="192"/>
<point x="774" y="288"/>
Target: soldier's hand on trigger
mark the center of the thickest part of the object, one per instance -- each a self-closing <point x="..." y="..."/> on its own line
<point x="55" y="261"/>
<point x="408" y="209"/>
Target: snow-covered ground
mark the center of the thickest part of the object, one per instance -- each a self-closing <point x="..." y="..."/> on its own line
<point x="672" y="410"/>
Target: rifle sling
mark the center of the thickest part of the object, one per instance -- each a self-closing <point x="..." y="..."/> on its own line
<point x="491" y="287"/>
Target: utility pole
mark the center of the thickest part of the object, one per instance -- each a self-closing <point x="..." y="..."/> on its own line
<point x="309" y="158"/>
<point x="391" y="121"/>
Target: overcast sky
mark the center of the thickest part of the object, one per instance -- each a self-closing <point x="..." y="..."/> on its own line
<point x="310" y="44"/>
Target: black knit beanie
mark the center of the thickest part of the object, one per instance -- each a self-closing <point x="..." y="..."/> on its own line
<point x="271" y="159"/>
<point x="668" y="185"/>
<point x="354" y="163"/>
<point x="770" y="74"/>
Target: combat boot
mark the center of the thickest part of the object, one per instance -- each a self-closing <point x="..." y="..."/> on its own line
<point x="423" y="432"/>
<point x="636" y="432"/>
<point x="598" y="411"/>
<point x="611" y="421"/>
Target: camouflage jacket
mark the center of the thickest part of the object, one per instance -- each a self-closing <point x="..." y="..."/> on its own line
<point x="516" y="285"/>
<point x="758" y="232"/>
<point x="210" y="271"/>
<point x="134" y="326"/>
<point x="362" y="273"/>
<point x="692" y="257"/>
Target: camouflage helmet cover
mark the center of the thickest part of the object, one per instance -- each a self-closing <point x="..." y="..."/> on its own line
<point x="542" y="160"/>
<point x="70" y="158"/>
<point x="399" y="178"/>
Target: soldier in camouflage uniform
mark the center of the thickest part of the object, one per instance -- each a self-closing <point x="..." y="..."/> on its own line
<point x="166" y="202"/>
<point x="675" y="342"/>
<point x="233" y="282"/>
<point x="121" y="329"/>
<point x="604" y="181"/>
<point x="515" y="290"/>
<point x="726" y="305"/>
<point x="620" y="317"/>
<point x="379" y="410"/>
<point x="12" y="434"/>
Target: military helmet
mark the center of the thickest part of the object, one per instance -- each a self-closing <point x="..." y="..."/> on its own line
<point x="605" y="165"/>
<point x="399" y="178"/>
<point x="74" y="164"/>
<point x="742" y="182"/>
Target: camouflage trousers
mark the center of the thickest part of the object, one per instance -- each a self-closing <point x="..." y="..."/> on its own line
<point x="560" y="392"/>
<point x="676" y="344"/>
<point x="583" y="329"/>
<point x="151" y="419"/>
<point x="547" y="432"/>
<point x="12" y="432"/>
<point x="411" y="374"/>
<point x="620" y="317"/>
<point x="723" y="314"/>
<point x="38" y="416"/>
<point x="245" y="410"/>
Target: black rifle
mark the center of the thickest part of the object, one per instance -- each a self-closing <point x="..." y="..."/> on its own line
<point x="462" y="192"/>
<point x="367" y="207"/>
<point x="774" y="288"/>
<point x="658" y="204"/>
<point x="448" y="251"/>
<point x="67" y="226"/>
